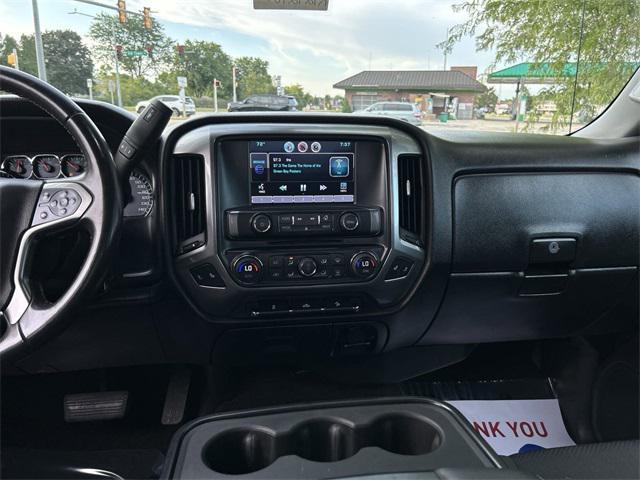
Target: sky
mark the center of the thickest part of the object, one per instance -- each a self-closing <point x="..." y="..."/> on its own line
<point x="314" y="49"/>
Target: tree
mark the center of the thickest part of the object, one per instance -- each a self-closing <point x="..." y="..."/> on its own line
<point x="202" y="63"/>
<point x="7" y="44"/>
<point x="304" y="98"/>
<point x="253" y="76"/>
<point x="487" y="100"/>
<point x="107" y="32"/>
<point x="551" y="32"/>
<point x="67" y="60"/>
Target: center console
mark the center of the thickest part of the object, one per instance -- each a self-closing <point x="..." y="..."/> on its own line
<point x="281" y="221"/>
<point x="334" y="440"/>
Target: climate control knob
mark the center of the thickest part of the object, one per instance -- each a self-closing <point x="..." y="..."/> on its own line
<point x="248" y="269"/>
<point x="307" y="267"/>
<point x="364" y="264"/>
<point x="261" y="223"/>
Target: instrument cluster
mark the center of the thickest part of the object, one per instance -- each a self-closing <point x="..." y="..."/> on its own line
<point x="44" y="166"/>
<point x="50" y="167"/>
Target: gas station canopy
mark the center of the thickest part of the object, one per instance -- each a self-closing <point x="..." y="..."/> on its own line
<point x="532" y="73"/>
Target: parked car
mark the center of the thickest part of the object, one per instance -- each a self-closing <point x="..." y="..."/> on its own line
<point x="174" y="102"/>
<point x="265" y="102"/>
<point x="400" y="110"/>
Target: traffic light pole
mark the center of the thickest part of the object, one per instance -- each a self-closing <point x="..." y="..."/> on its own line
<point x="42" y="71"/>
<point x="118" y="92"/>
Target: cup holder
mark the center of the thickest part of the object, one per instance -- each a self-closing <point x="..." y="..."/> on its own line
<point x="404" y="434"/>
<point x="323" y="440"/>
<point x="247" y="450"/>
<point x="240" y="451"/>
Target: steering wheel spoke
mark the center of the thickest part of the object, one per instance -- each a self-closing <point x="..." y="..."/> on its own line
<point x="60" y="203"/>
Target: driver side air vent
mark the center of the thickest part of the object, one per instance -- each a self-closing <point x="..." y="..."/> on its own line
<point x="411" y="198"/>
<point x="188" y="202"/>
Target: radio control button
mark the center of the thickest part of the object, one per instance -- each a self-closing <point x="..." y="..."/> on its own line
<point x="261" y="223"/>
<point x="364" y="264"/>
<point x="285" y="219"/>
<point x="349" y="221"/>
<point x="307" y="267"/>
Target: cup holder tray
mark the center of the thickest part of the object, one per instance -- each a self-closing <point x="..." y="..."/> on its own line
<point x="327" y="440"/>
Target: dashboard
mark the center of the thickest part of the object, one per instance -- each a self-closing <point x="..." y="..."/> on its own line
<point x="340" y="235"/>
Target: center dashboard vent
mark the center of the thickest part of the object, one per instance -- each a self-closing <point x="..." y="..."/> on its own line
<point x="411" y="193"/>
<point x="188" y="202"/>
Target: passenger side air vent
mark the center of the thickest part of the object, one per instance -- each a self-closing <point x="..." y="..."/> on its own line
<point x="188" y="202"/>
<point x="411" y="198"/>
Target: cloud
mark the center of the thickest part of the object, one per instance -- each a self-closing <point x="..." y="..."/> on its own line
<point x="318" y="49"/>
<point x="315" y="49"/>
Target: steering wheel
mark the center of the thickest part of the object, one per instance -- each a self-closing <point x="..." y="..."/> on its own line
<point x="30" y="209"/>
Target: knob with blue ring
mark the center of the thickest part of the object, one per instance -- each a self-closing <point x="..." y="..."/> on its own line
<point x="364" y="264"/>
<point x="248" y="269"/>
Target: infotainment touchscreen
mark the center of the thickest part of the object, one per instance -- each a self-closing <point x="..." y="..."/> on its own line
<point x="302" y="171"/>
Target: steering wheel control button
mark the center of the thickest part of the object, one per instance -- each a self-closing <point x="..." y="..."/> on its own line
<point x="307" y="267"/>
<point x="248" y="269"/>
<point x="400" y="268"/>
<point x="57" y="204"/>
<point x="349" y="222"/>
<point x="64" y="202"/>
<point x="261" y="223"/>
<point x="552" y="250"/>
<point x="364" y="264"/>
<point x="207" y="276"/>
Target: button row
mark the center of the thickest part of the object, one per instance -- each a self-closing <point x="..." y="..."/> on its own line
<point x="293" y="267"/>
<point x="336" y="304"/>
<point x="400" y="268"/>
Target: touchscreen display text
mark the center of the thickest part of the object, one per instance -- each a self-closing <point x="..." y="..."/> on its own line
<point x="302" y="171"/>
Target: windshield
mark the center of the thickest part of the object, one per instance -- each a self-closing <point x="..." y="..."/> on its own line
<point x="497" y="65"/>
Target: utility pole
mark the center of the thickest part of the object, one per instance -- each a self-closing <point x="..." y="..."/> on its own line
<point x="42" y="71"/>
<point x="233" y="74"/>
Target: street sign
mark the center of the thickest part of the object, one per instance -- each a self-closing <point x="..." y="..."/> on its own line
<point x="135" y="53"/>
<point x="111" y="86"/>
<point x="182" y="82"/>
<point x="291" y="4"/>
<point x="89" y="83"/>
